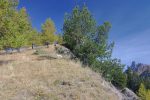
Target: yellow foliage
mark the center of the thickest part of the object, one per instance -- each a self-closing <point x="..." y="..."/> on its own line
<point x="148" y="95"/>
<point x="48" y="31"/>
<point x="143" y="93"/>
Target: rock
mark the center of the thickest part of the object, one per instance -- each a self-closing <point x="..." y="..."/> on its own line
<point x="129" y="95"/>
<point x="65" y="52"/>
<point x="143" y="70"/>
<point x="140" y="68"/>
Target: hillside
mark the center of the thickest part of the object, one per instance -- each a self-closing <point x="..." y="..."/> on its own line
<point x="25" y="76"/>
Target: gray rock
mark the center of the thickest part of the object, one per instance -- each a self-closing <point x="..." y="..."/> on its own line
<point x="129" y="95"/>
<point x="140" y="68"/>
<point x="65" y="52"/>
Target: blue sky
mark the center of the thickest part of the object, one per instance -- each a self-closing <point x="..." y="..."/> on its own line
<point x="130" y="21"/>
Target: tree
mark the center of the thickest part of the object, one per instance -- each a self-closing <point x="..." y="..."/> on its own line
<point x="77" y="26"/>
<point x="34" y="38"/>
<point x="59" y="38"/>
<point x="48" y="31"/>
<point x="89" y="43"/>
<point x="112" y="70"/>
<point x="84" y="38"/>
<point x="7" y="8"/>
<point x="148" y="95"/>
<point x="15" y="25"/>
<point x="133" y="80"/>
<point x="101" y="38"/>
<point x="142" y="92"/>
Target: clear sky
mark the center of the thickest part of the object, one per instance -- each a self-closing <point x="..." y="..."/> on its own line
<point x="130" y="21"/>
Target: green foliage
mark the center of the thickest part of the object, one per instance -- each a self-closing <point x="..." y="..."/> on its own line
<point x="89" y="43"/>
<point x="15" y="26"/>
<point x="147" y="82"/>
<point x="133" y="80"/>
<point x="34" y="37"/>
<point x="59" y="38"/>
<point x="142" y="92"/>
<point x="16" y="30"/>
<point x="119" y="79"/>
<point x="48" y="31"/>
<point x="148" y="95"/>
<point x="84" y="38"/>
<point x="77" y="25"/>
<point x="111" y="70"/>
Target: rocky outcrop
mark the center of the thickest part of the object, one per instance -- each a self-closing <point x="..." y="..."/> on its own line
<point x="140" y="68"/>
<point x="129" y="95"/>
<point x="65" y="52"/>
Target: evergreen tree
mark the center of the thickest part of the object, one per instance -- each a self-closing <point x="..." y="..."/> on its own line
<point x="148" y="95"/>
<point x="48" y="31"/>
<point x="142" y="92"/>
<point x="89" y="43"/>
<point x="77" y="26"/>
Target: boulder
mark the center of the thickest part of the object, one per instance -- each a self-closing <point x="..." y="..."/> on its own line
<point x="129" y="95"/>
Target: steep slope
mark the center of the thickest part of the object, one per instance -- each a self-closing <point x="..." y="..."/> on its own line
<point x="24" y="76"/>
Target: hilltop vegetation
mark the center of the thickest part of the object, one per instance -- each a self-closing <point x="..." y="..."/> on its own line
<point x="16" y="29"/>
<point x="87" y="40"/>
<point x="88" y="43"/>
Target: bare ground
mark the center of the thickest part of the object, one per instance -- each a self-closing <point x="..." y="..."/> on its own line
<point x="24" y="76"/>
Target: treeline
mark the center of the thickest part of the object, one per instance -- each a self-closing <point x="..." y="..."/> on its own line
<point x="89" y="42"/>
<point x="139" y="82"/>
<point x="16" y="29"/>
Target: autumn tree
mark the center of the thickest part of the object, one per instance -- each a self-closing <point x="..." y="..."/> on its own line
<point x="142" y="92"/>
<point x="148" y="95"/>
<point x="48" y="31"/>
<point x="15" y="25"/>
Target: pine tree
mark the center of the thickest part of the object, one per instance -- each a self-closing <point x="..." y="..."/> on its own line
<point x="48" y="31"/>
<point x="142" y="92"/>
<point x="89" y="43"/>
<point x="148" y="95"/>
<point x="15" y="28"/>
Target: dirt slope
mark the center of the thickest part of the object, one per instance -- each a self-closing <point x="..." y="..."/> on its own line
<point x="24" y="76"/>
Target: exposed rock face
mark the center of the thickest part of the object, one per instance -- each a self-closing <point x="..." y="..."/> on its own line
<point x="145" y="74"/>
<point x="142" y="69"/>
<point x="129" y="95"/>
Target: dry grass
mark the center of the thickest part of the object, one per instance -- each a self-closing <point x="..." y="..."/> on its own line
<point x="24" y="77"/>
